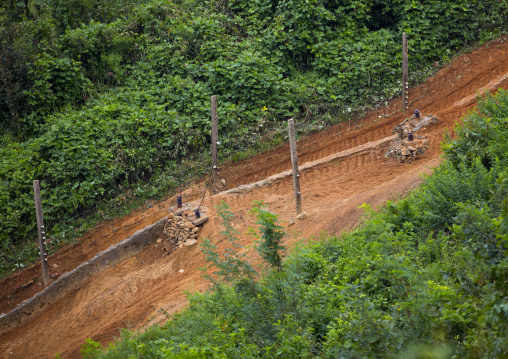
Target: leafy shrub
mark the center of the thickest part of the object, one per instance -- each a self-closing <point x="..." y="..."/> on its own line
<point x="270" y="246"/>
<point x="433" y="208"/>
<point x="482" y="135"/>
<point x="57" y="81"/>
<point x="13" y="80"/>
<point x="361" y="64"/>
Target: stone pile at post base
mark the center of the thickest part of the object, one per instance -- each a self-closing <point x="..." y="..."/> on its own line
<point x="404" y="149"/>
<point x="181" y="229"/>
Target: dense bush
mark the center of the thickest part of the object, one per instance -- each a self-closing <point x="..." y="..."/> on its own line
<point x="424" y="278"/>
<point x="356" y="45"/>
<point x="13" y="81"/>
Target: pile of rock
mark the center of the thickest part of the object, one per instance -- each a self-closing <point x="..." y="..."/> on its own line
<point x="182" y="228"/>
<point x="405" y="151"/>
<point x="413" y="124"/>
<point x="408" y="145"/>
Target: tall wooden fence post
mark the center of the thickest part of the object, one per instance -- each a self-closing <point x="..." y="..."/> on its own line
<point x="405" y="77"/>
<point x="215" y="138"/>
<point x="294" y="164"/>
<point x="42" y="232"/>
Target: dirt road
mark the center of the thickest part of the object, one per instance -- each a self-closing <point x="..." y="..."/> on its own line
<point x="139" y="291"/>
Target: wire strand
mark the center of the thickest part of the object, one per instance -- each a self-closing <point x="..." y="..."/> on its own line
<point x="206" y="188"/>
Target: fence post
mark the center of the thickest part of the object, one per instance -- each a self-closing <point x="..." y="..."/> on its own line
<point x="215" y="138"/>
<point x="42" y="232"/>
<point x="294" y="164"/>
<point x="405" y="77"/>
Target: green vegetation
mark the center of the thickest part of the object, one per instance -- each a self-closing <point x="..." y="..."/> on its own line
<point x="100" y="99"/>
<point x="427" y="277"/>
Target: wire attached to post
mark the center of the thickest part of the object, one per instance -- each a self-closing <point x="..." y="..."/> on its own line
<point x="206" y="187"/>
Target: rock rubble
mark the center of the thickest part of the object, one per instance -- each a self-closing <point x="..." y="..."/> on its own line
<point x="409" y="146"/>
<point x="181" y="229"/>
